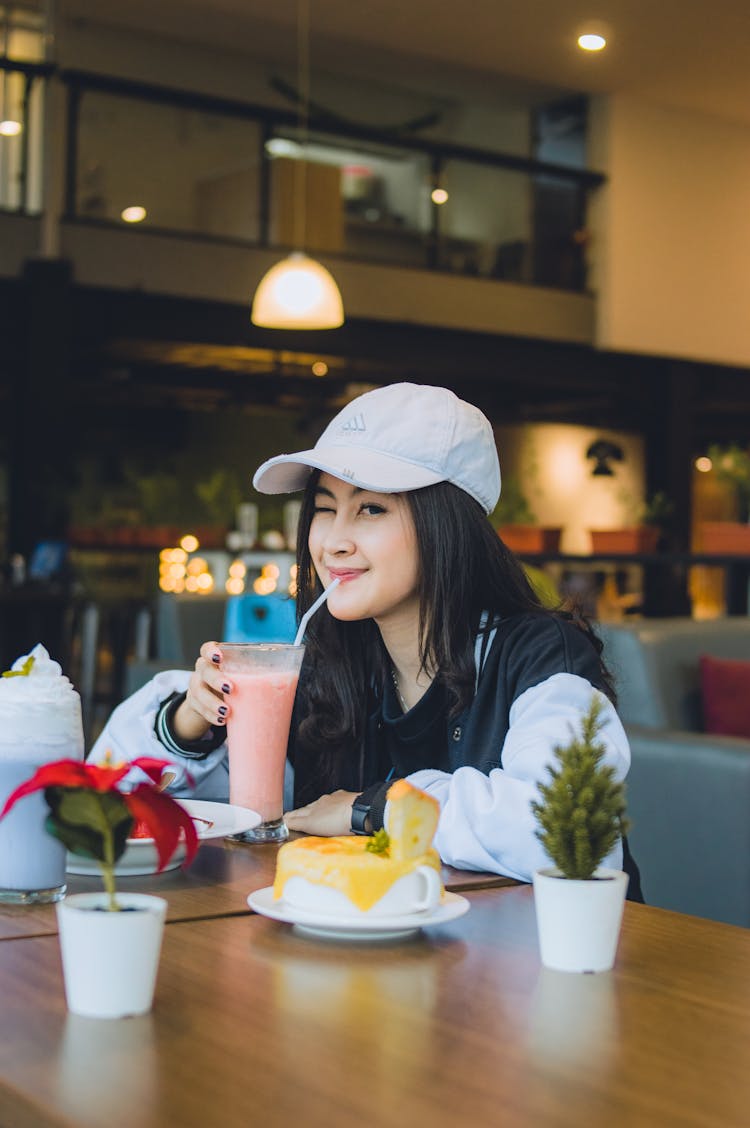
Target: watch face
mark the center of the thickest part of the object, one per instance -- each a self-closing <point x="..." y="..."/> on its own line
<point x="359" y="818"/>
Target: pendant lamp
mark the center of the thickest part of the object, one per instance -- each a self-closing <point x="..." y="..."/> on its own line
<point x="298" y="292"/>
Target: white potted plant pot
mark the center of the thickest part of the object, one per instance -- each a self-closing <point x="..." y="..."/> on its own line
<point x="578" y="922"/>
<point x="110" y="959"/>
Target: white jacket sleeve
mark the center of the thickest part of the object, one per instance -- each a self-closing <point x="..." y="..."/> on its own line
<point x="486" y="821"/>
<point x="129" y="732"/>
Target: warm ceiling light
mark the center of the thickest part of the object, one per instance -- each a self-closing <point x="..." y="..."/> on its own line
<point x="297" y="293"/>
<point x="320" y="368"/>
<point x="704" y="464"/>
<point x="591" y="42"/>
<point x="439" y="196"/>
<point x="134" y="214"/>
<point x="10" y="128"/>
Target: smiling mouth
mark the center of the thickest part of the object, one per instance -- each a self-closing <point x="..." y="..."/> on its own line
<point x="345" y="574"/>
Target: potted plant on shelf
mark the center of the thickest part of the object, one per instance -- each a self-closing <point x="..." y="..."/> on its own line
<point x="581" y="816"/>
<point x="641" y="536"/>
<point x="732" y="466"/>
<point x="110" y="942"/>
<point x="219" y="496"/>
<point x="517" y="525"/>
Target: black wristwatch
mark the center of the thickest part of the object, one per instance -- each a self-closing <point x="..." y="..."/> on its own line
<point x="360" y="814"/>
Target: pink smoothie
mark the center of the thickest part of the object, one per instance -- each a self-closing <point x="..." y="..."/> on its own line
<point x="258" y="732"/>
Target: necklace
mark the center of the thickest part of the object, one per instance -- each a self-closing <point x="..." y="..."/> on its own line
<point x="399" y="694"/>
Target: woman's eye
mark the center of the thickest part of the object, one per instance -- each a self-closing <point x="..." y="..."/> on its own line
<point x="372" y="509"/>
<point x="322" y="509"/>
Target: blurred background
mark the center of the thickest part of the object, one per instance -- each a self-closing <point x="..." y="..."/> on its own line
<point x="559" y="235"/>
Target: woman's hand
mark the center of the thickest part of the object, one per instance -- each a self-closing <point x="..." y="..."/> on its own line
<point x="205" y="703"/>
<point x="329" y="815"/>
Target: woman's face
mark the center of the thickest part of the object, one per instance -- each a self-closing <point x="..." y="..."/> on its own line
<point x="368" y="540"/>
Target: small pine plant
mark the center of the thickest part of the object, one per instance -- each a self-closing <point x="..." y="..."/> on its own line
<point x="582" y="813"/>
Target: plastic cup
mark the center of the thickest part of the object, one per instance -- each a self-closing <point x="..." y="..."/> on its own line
<point x="264" y="680"/>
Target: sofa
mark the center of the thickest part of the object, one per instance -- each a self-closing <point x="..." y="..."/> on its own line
<point x="688" y="792"/>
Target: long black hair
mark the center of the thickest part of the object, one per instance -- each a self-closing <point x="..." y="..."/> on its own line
<point x="465" y="571"/>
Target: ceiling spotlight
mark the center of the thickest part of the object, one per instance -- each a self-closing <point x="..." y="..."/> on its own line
<point x="134" y="214"/>
<point x="591" y="42"/>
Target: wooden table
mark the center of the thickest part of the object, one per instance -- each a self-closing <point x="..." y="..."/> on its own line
<point x="216" y="884"/>
<point x="254" y="1024"/>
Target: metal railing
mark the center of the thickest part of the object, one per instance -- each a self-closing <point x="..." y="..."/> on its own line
<point x="222" y="169"/>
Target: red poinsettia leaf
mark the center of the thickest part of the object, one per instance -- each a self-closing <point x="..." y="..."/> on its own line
<point x="67" y="773"/>
<point x="152" y="767"/>
<point x="102" y="777"/>
<point x="165" y="819"/>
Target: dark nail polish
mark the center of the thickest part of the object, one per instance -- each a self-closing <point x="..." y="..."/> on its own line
<point x="226" y="688"/>
<point x="216" y="658"/>
<point x="222" y="710"/>
<point x="221" y="720"/>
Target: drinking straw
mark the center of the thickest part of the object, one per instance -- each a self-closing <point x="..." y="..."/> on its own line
<point x="311" y="610"/>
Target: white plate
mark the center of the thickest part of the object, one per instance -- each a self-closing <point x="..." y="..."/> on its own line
<point x="140" y="855"/>
<point x="451" y="907"/>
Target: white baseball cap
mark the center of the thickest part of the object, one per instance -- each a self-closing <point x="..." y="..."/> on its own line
<point x="400" y="437"/>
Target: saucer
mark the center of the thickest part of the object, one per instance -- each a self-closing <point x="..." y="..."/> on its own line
<point x="329" y="927"/>
<point x="140" y="857"/>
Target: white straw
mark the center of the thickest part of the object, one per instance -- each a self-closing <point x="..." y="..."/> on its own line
<point x="311" y="611"/>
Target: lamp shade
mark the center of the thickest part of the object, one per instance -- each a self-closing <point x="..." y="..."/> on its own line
<point x="297" y="293"/>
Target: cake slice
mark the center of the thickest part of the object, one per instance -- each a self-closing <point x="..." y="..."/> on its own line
<point x="351" y="872"/>
<point x="411" y="821"/>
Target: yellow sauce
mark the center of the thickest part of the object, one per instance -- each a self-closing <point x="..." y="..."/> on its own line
<point x="345" y="864"/>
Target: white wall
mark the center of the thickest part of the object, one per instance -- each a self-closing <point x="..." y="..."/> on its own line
<point x="671" y="232"/>
<point x="549" y="461"/>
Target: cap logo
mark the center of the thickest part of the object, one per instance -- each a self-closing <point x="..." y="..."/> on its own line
<point x="356" y="423"/>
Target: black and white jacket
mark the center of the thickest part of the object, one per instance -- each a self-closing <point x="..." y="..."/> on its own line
<point x="535" y="678"/>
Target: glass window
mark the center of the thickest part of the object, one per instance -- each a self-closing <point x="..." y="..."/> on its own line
<point x="189" y="170"/>
<point x="485" y="221"/>
<point x="367" y="201"/>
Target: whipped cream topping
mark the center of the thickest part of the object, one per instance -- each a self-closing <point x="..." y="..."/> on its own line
<point x="40" y="712"/>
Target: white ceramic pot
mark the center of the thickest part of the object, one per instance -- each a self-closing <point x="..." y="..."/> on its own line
<point x="110" y="959"/>
<point x="579" y="921"/>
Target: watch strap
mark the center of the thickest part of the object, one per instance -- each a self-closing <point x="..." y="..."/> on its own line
<point x="370" y="803"/>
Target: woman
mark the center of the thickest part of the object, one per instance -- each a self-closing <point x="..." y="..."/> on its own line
<point x="433" y="658"/>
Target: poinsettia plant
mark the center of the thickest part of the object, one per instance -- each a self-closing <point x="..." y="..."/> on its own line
<point x="93" y="814"/>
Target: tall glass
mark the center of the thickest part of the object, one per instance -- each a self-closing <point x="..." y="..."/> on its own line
<point x="264" y="680"/>
<point x="32" y="862"/>
<point x="40" y="721"/>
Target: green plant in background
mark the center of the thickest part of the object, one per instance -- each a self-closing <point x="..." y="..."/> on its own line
<point x="96" y="501"/>
<point x="732" y="466"/>
<point x="657" y="510"/>
<point x="513" y="508"/>
<point x="160" y="496"/>
<point x="582" y="812"/>
<point x="219" y="495"/>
